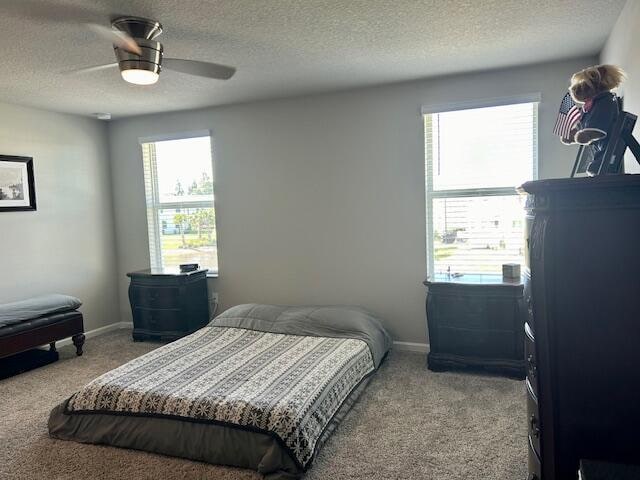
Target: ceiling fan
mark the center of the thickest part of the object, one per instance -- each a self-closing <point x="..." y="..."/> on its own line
<point x="141" y="58"/>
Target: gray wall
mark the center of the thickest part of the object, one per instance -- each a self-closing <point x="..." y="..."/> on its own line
<point x="623" y="49"/>
<point x="68" y="244"/>
<point x="320" y="199"/>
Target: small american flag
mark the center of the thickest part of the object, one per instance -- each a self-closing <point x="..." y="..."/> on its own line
<point x="569" y="114"/>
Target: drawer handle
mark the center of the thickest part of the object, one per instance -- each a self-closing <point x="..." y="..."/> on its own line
<point x="531" y="365"/>
<point x="535" y="429"/>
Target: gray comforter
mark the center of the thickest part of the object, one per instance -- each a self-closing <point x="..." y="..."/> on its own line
<point x="283" y="372"/>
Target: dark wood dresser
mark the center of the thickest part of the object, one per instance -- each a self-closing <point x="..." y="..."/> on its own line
<point x="583" y="329"/>
<point x="168" y="304"/>
<point x="476" y="322"/>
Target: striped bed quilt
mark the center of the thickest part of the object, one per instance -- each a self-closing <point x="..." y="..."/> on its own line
<point x="289" y="386"/>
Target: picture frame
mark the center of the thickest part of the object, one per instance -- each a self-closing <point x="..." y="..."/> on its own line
<point x="583" y="160"/>
<point x="17" y="184"/>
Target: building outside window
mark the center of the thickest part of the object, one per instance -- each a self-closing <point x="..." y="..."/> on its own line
<point x="179" y="188"/>
<point x="474" y="160"/>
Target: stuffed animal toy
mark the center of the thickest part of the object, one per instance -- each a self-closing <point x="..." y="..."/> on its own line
<point x="592" y="87"/>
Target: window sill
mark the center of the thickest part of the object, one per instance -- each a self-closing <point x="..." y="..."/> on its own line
<point x="473" y="279"/>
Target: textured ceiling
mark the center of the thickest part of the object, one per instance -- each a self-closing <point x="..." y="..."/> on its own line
<point x="283" y="47"/>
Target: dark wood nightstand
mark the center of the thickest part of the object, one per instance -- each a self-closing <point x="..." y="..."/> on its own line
<point x="476" y="322"/>
<point x="168" y="304"/>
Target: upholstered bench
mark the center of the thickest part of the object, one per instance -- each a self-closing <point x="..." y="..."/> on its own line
<point x="38" y="321"/>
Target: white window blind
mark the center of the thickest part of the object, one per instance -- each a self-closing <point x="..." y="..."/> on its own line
<point x="179" y="189"/>
<point x="474" y="159"/>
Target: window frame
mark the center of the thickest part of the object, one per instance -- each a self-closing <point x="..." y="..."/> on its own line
<point x="152" y="202"/>
<point x="431" y="194"/>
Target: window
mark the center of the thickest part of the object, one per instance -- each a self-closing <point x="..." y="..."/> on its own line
<point x="179" y="189"/>
<point x="474" y="159"/>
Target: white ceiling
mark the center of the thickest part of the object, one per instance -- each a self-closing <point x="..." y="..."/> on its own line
<point x="283" y="47"/>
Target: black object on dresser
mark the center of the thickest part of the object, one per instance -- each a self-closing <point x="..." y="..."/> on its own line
<point x="583" y="329"/>
<point x="168" y="304"/>
<point x="476" y="322"/>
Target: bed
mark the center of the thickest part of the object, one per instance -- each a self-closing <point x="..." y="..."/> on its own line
<point x="260" y="387"/>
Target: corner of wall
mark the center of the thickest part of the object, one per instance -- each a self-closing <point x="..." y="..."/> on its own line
<point x="116" y="248"/>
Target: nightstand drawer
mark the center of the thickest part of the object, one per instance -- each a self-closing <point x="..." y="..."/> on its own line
<point x="502" y="314"/>
<point x="155" y="297"/>
<point x="469" y="313"/>
<point x="159" y="320"/>
<point x="477" y="343"/>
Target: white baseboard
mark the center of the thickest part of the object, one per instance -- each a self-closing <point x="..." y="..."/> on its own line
<point x="97" y="331"/>
<point x="411" y="347"/>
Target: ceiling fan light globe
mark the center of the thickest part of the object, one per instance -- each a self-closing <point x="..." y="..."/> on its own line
<point x="139" y="76"/>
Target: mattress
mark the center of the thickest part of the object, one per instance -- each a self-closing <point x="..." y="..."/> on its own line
<point x="261" y="387"/>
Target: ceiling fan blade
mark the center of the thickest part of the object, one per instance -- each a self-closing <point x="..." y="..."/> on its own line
<point x="118" y="38"/>
<point x="95" y="68"/>
<point x="201" y="69"/>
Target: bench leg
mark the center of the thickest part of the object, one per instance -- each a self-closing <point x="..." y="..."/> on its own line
<point x="78" y="341"/>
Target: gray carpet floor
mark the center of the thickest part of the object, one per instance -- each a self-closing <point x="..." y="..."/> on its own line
<point x="410" y="423"/>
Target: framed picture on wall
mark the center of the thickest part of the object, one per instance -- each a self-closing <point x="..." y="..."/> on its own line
<point x="17" y="185"/>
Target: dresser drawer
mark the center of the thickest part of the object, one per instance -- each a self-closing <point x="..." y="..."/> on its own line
<point x="530" y="358"/>
<point x="527" y="296"/>
<point x="528" y="304"/>
<point x="535" y="467"/>
<point x="155" y="297"/>
<point x="533" y="419"/>
<point x="159" y="320"/>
